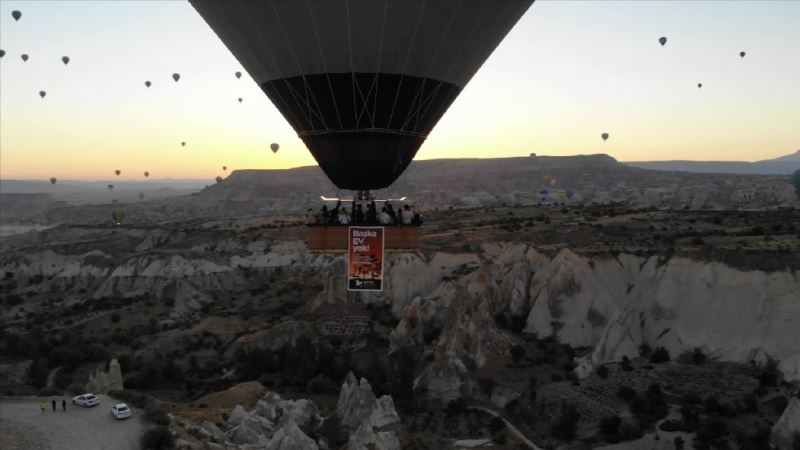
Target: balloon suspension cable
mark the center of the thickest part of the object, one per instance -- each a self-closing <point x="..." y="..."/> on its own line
<point x="363" y="196"/>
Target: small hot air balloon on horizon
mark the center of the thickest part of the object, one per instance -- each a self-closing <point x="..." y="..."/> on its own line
<point x="741" y="54"/>
<point x="604" y="136"/>
<point x="24" y="57"/>
<point x="146" y="174"/>
<point x="183" y="144"/>
<point x="42" y="94"/>
<point x="147" y="83"/>
<point x="141" y="195"/>
<point x="117" y="172"/>
<point x="224" y="168"/>
<point x="274" y="147"/>
<point x="53" y="180"/>
<point x="219" y="179"/>
<point x="65" y="60"/>
<point x="110" y="187"/>
<point x="699" y="85"/>
<point x="662" y="40"/>
<point x="16" y="15"/>
<point x="240" y="99"/>
<point x="238" y="75"/>
<point x="176" y="77"/>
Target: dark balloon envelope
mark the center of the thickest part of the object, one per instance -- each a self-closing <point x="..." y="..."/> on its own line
<point x="147" y="83"/>
<point x="363" y="82"/>
<point x="2" y="53"/>
<point x="65" y="60"/>
<point x="24" y="57"/>
<point x="16" y="15"/>
<point x="662" y="40"/>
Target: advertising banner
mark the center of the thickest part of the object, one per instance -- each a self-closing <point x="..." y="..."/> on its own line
<point x="365" y="259"/>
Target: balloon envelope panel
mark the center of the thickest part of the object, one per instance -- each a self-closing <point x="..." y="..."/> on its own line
<point x="362" y="82"/>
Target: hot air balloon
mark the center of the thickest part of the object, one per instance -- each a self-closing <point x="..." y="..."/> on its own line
<point x="238" y="75"/>
<point x="183" y="144"/>
<point x="117" y="214"/>
<point x="240" y="99"/>
<point x="219" y="179"/>
<point x="699" y="85"/>
<point x="16" y="15"/>
<point x="24" y="57"/>
<point x="141" y="195"/>
<point x="146" y="174"/>
<point x="2" y="53"/>
<point x="110" y="187"/>
<point x="410" y="61"/>
<point x="176" y="77"/>
<point x="117" y="172"/>
<point x="65" y="60"/>
<point x="147" y="83"/>
<point x="604" y="136"/>
<point x="274" y="147"/>
<point x="662" y="40"/>
<point x="53" y="180"/>
<point x="224" y="168"/>
<point x="741" y="54"/>
<point x="42" y="94"/>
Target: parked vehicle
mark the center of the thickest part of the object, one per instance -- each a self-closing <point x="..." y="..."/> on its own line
<point x="120" y="411"/>
<point x="86" y="400"/>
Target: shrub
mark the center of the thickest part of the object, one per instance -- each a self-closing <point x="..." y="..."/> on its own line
<point x="517" y="353"/>
<point x="626" y="393"/>
<point x="321" y="385"/>
<point x="678" y="443"/>
<point x="115" y="318"/>
<point x="564" y="424"/>
<point x="157" y="416"/>
<point x="496" y="424"/>
<point x="158" y="438"/>
<point x="602" y="372"/>
<point x="610" y="425"/>
<point x="50" y="391"/>
<point x="487" y="385"/>
<point x="659" y="355"/>
<point x="626" y="364"/>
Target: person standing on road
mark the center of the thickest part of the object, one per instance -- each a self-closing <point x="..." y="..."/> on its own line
<point x="54" y="405"/>
<point x="43" y="405"/>
<point x="64" y="404"/>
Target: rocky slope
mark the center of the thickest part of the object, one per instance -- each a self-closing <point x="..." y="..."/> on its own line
<point x="612" y="304"/>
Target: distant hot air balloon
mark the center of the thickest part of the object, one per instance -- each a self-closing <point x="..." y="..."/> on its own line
<point x="42" y="94"/>
<point x="183" y="144"/>
<point x="147" y="83"/>
<point x="238" y="75"/>
<point x="24" y="57"/>
<point x="741" y="54"/>
<point x="274" y="147"/>
<point x="53" y="180"/>
<point x="118" y="214"/>
<point x="117" y="172"/>
<point x="699" y="85"/>
<point x="2" y="53"/>
<point x="240" y="99"/>
<point x="65" y="60"/>
<point x="176" y="77"/>
<point x="418" y="56"/>
<point x="141" y="195"/>
<point x="219" y="179"/>
<point x="146" y="174"/>
<point x="16" y="15"/>
<point x="224" y="168"/>
<point x="110" y="187"/>
<point x="604" y="136"/>
<point x="662" y="40"/>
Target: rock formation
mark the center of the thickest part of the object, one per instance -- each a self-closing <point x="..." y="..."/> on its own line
<point x="102" y="382"/>
<point x="786" y="432"/>
<point x="372" y="422"/>
<point x="274" y="423"/>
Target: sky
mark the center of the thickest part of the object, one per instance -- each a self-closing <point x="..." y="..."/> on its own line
<point x="568" y="71"/>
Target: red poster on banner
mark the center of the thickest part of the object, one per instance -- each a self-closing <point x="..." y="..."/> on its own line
<point x="365" y="259"/>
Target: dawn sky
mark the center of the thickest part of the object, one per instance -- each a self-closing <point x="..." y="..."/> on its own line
<point x="569" y="71"/>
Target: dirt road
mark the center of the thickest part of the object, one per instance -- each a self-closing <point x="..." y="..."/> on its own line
<point x="24" y="426"/>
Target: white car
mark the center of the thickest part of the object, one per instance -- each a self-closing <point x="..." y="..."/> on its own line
<point x="120" y="411"/>
<point x="86" y="400"/>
